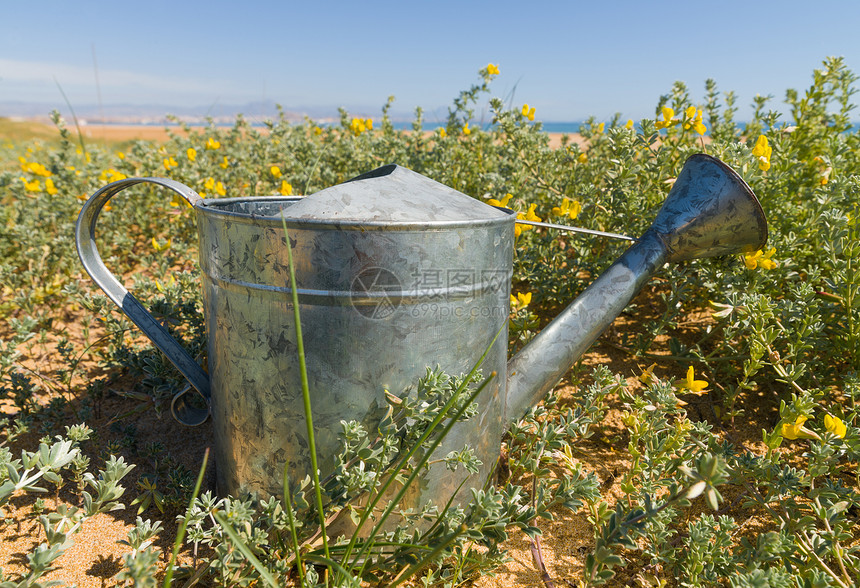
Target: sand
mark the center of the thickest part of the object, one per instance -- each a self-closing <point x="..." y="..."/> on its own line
<point x="116" y="133"/>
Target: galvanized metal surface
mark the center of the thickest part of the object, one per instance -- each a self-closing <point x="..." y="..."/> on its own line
<point x="382" y="295"/>
<point x="377" y="303"/>
<point x="394" y="272"/>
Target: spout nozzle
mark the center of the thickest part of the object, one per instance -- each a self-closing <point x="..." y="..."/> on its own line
<point x="710" y="211"/>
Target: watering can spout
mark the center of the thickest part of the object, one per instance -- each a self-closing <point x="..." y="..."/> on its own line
<point x="709" y="211"/>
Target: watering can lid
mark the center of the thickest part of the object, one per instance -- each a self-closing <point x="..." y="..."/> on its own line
<point x="392" y="194"/>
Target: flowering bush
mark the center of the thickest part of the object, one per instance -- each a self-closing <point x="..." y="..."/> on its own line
<point x="781" y="323"/>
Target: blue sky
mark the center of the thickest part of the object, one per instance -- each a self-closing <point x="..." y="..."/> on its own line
<point x="570" y="60"/>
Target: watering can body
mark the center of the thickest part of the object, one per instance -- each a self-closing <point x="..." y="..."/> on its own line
<point x="394" y="273"/>
<point x="417" y="275"/>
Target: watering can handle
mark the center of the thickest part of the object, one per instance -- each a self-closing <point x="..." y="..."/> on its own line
<point x="85" y="240"/>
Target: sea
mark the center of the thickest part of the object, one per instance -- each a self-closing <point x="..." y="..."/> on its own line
<point x="547" y="127"/>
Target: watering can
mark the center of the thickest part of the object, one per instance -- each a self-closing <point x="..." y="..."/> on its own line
<point x="394" y="272"/>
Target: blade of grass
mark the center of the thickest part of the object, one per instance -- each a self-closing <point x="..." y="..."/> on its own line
<point x="168" y="576"/>
<point x="306" y="395"/>
<point x="74" y="118"/>
<point x="293" y="535"/>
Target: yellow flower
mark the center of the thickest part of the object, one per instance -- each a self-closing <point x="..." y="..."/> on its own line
<point x="762" y="151"/>
<point x="691" y="383"/>
<point x="529" y="216"/>
<point x="600" y="128"/>
<point x="358" y="125"/>
<point x="518" y="228"/>
<point x="722" y="309"/>
<point x="176" y="201"/>
<point x="582" y="158"/>
<point x="35" y="168"/>
<point x="49" y="187"/>
<point x="191" y="153"/>
<point x="492" y="69"/>
<point x="529" y="113"/>
<point x="34" y="186"/>
<point x="629" y="125"/>
<point x="442" y="132"/>
<point x="835" y="426"/>
<point x="521" y="300"/>
<point x="160" y="288"/>
<point x="503" y="203"/>
<point x="286" y="189"/>
<point x="824" y="170"/>
<point x="568" y="208"/>
<point x="760" y="259"/>
<point x="796" y="430"/>
<point x="158" y="246"/>
<point x="647" y="376"/>
<point x="169" y="162"/>
<point x="120" y="155"/>
<point x="111" y="175"/>
<point x="467" y="130"/>
<point x="212" y="144"/>
<point x="40" y="170"/>
<point x="275" y="171"/>
<point x="225" y="163"/>
<point x="317" y="131"/>
<point x="668" y="119"/>
<point x="369" y="124"/>
<point x="693" y="119"/>
<point x="212" y="186"/>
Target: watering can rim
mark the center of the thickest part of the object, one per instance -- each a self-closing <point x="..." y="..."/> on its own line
<point x="213" y="206"/>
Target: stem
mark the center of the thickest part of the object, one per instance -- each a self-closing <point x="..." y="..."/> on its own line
<point x="781" y="370"/>
<point x="292" y="524"/>
<point x="306" y="396"/>
<point x="837" y="548"/>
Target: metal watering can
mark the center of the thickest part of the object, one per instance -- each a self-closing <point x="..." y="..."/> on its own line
<point x="394" y="272"/>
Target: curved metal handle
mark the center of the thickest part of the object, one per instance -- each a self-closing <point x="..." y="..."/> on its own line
<point x="85" y="240"/>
